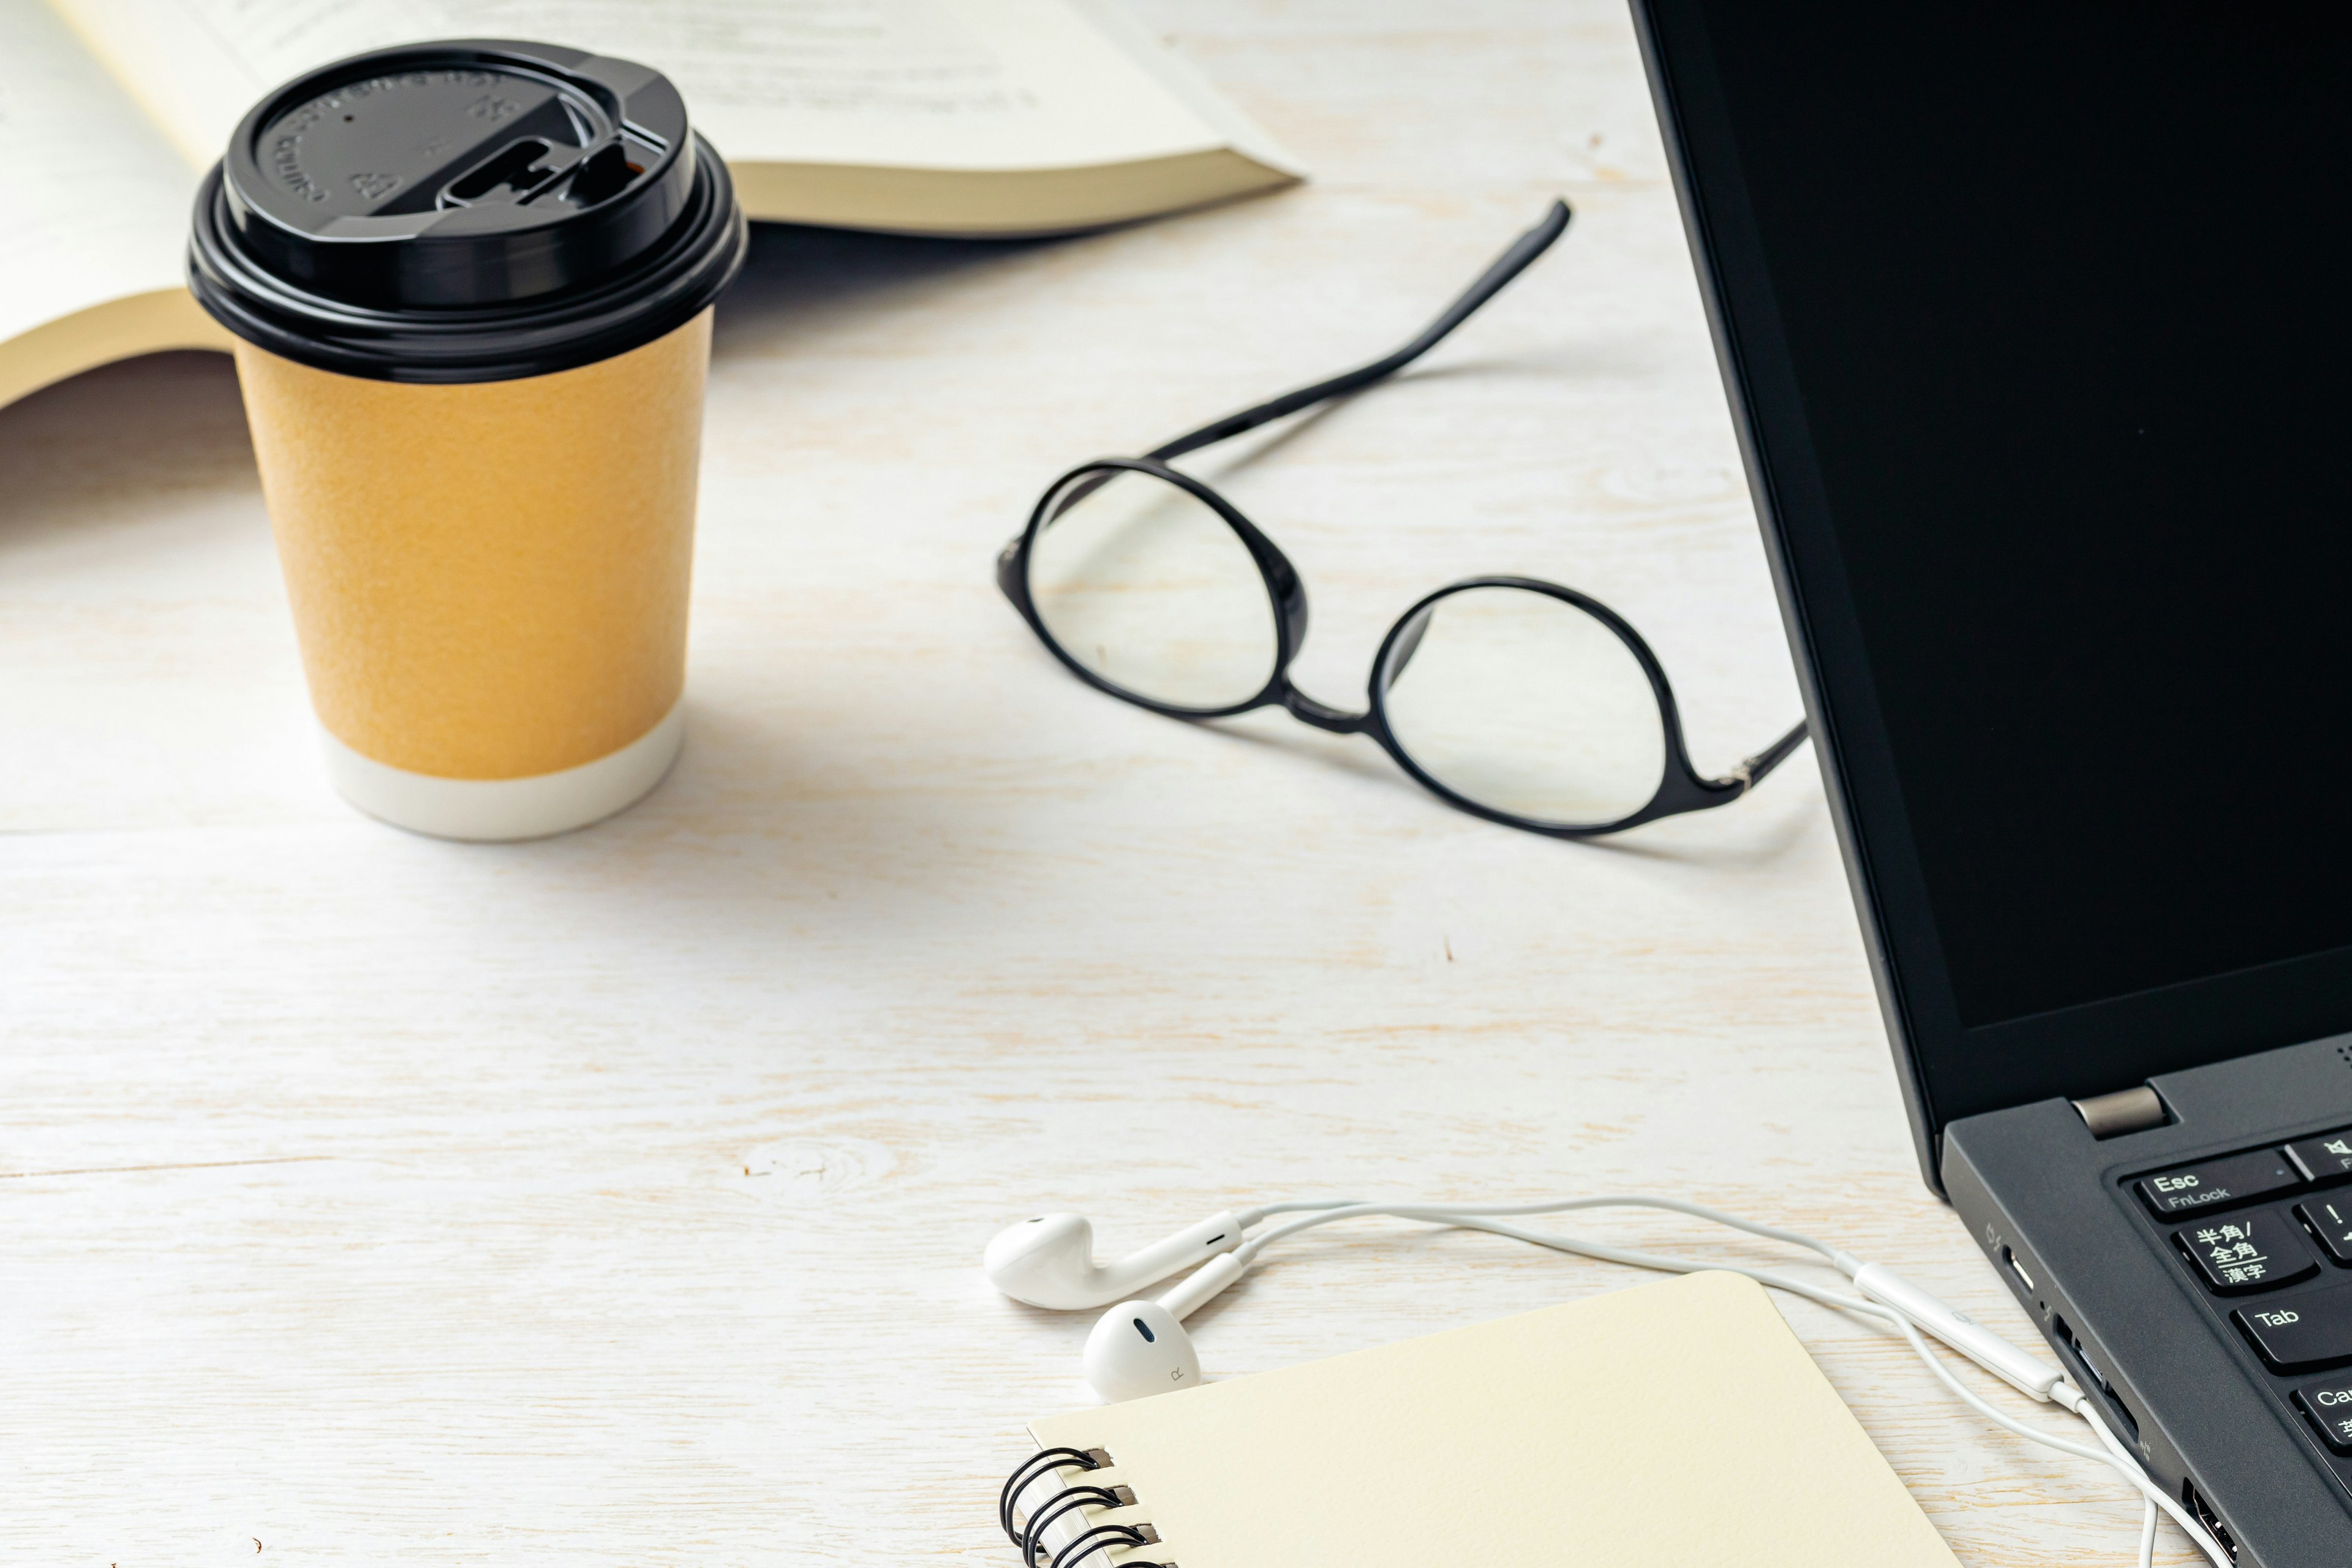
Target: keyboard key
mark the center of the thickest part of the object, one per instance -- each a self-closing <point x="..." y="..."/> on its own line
<point x="2302" y="1333"/>
<point x="2331" y="1221"/>
<point x="2218" y="1183"/>
<point x="2326" y="1158"/>
<point x="2238" y="1253"/>
<point x="2328" y="1402"/>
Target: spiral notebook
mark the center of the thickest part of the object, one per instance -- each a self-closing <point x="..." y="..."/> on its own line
<point x="1673" y="1423"/>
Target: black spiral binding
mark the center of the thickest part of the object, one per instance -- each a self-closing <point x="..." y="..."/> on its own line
<point x="1027" y="1535"/>
<point x="1036" y="1465"/>
<point x="1069" y="1501"/>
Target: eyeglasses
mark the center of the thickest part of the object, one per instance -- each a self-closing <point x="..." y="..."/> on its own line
<point x="1518" y="700"/>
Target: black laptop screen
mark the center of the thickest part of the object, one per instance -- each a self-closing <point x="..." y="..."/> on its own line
<point x="2066" y="290"/>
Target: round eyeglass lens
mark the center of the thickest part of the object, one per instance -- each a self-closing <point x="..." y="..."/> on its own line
<point x="1144" y="584"/>
<point x="1526" y="705"/>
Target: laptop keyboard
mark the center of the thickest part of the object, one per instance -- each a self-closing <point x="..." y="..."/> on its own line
<point x="2273" y="1250"/>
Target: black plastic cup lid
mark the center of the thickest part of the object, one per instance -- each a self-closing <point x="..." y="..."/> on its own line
<point x="465" y="211"/>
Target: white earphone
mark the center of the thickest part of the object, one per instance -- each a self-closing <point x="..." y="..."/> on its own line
<point x="1050" y="1260"/>
<point x="1141" y="1347"/>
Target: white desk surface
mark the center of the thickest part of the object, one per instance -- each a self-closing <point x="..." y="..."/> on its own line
<point x="618" y="1199"/>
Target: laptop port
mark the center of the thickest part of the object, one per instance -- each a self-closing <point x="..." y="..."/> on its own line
<point x="2019" y="1270"/>
<point x="2194" y="1500"/>
<point x="2078" y="1363"/>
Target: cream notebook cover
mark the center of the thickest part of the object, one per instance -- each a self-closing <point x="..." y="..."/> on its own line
<point x="1679" y="1423"/>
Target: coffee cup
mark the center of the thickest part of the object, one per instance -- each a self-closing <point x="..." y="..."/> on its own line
<point x="471" y="286"/>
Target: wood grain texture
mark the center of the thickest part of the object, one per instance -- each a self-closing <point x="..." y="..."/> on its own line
<point x="617" y="1199"/>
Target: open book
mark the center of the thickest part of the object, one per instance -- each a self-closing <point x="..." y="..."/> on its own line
<point x="954" y="117"/>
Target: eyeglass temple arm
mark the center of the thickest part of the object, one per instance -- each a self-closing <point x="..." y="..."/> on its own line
<point x="1507" y="265"/>
<point x="1750" y="774"/>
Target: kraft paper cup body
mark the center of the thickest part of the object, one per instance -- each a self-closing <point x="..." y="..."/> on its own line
<point x="490" y="580"/>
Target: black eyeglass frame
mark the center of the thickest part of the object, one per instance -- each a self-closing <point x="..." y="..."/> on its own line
<point x="1681" y="787"/>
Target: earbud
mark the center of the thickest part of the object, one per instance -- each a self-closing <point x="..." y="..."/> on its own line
<point x="1050" y="1260"/>
<point x="1141" y="1348"/>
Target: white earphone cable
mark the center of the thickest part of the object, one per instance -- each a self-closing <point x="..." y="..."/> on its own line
<point x="1327" y="1213"/>
<point x="2115" y="1456"/>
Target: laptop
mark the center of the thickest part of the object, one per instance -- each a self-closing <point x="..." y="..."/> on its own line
<point x="2037" y="323"/>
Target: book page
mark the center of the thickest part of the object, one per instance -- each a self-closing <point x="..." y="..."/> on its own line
<point x="97" y="204"/>
<point x="927" y="84"/>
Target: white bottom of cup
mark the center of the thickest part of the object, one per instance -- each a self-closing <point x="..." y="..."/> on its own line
<point x="487" y="810"/>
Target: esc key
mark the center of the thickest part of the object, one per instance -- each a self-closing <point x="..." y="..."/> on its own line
<point x="2217" y="1183"/>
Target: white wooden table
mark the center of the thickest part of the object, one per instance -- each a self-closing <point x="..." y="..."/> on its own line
<point x="618" y="1199"/>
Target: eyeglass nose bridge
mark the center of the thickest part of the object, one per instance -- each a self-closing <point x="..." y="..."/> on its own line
<point x="1306" y="710"/>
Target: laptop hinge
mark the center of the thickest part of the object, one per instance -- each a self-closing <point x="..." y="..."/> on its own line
<point x="2125" y="1110"/>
